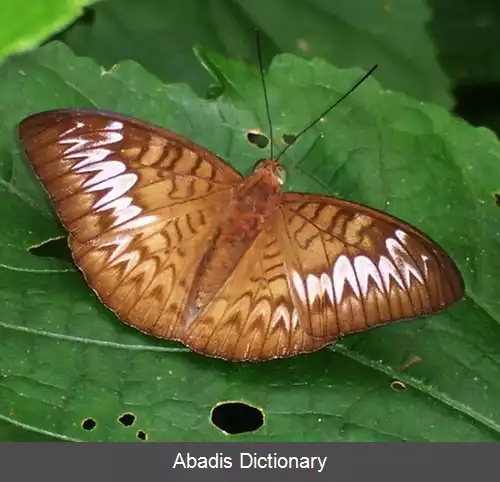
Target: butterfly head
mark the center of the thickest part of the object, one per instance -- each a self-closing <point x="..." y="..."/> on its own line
<point x="271" y="169"/>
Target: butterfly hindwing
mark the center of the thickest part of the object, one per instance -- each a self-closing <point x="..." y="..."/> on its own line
<point x="253" y="316"/>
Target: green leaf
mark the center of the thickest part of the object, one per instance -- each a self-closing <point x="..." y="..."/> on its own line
<point x="10" y="431"/>
<point x="160" y="34"/>
<point x="23" y="28"/>
<point x="65" y="358"/>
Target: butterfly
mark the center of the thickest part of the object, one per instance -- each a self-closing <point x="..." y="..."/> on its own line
<point x="181" y="246"/>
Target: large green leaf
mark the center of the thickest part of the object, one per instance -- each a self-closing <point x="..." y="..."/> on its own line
<point x="159" y="34"/>
<point x="23" y="27"/>
<point x="65" y="358"/>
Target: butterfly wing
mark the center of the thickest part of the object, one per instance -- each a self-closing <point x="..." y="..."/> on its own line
<point x="350" y="267"/>
<point x="140" y="205"/>
<point x="253" y="316"/>
<point x="323" y="268"/>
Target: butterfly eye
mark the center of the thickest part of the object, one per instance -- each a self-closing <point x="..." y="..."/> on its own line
<point x="259" y="165"/>
<point x="280" y="173"/>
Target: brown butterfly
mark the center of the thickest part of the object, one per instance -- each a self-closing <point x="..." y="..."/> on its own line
<point x="181" y="246"/>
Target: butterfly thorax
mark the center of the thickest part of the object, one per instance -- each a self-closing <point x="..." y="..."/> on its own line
<point x="253" y="202"/>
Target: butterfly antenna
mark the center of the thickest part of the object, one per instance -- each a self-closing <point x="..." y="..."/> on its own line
<point x="264" y="88"/>
<point x="335" y="104"/>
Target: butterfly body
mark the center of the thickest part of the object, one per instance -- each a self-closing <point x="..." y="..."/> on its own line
<point x="251" y="206"/>
<point x="181" y="246"/>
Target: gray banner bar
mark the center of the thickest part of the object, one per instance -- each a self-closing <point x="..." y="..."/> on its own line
<point x="342" y="462"/>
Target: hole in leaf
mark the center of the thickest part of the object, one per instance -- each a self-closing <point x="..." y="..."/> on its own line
<point x="289" y="138"/>
<point x="398" y="386"/>
<point x="89" y="424"/>
<point x="142" y="435"/>
<point x="127" y="419"/>
<point x="53" y="248"/>
<point x="258" y="139"/>
<point x="497" y="199"/>
<point x="237" y="417"/>
<point x="214" y="91"/>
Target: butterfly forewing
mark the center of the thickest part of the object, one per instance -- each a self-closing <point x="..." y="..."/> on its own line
<point x="179" y="245"/>
<point x="139" y="203"/>
<point x="368" y="268"/>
